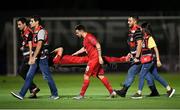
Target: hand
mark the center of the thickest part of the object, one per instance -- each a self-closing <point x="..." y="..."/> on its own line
<point x="128" y="57"/>
<point x="56" y="59"/>
<point x="136" y="60"/>
<point x="32" y="60"/>
<point x="159" y="64"/>
<point x="101" y="60"/>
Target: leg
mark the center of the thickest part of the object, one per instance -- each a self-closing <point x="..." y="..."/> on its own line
<point x="22" y="70"/>
<point x="43" y="64"/>
<point x="122" y="59"/>
<point x="170" y="90"/>
<point x="144" y="71"/>
<point x="69" y="59"/>
<point x="133" y="70"/>
<point x="83" y="88"/>
<point x="150" y="81"/>
<point x="108" y="86"/>
<point x="158" y="77"/>
<point x="28" y="80"/>
<point x="27" y="83"/>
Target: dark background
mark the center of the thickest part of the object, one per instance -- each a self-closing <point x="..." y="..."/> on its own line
<point x="67" y="8"/>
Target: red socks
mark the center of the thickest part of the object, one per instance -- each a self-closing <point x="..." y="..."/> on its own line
<point x="107" y="84"/>
<point x="84" y="87"/>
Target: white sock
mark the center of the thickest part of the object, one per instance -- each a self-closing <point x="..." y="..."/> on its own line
<point x="168" y="88"/>
<point x="139" y="92"/>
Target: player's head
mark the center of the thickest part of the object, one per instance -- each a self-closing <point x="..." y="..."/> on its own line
<point x="21" y="23"/>
<point x="132" y="20"/>
<point x="35" y="21"/>
<point x="146" y="28"/>
<point x="79" y="30"/>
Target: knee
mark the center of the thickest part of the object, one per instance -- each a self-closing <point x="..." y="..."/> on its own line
<point x="100" y="76"/>
<point x="86" y="77"/>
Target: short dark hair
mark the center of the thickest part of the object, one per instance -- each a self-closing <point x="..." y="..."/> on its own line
<point x="23" y="20"/>
<point x="135" y="17"/>
<point x="80" y="27"/>
<point x="37" y="18"/>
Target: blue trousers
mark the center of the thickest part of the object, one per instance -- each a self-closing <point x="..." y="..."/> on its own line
<point x="132" y="72"/>
<point x="150" y="68"/>
<point x="43" y="65"/>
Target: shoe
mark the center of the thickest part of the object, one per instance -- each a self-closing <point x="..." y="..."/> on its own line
<point x="136" y="96"/>
<point x="154" y="91"/>
<point x="78" y="97"/>
<point x="113" y="95"/>
<point x="153" y="94"/>
<point x="171" y="92"/>
<point x="54" y="97"/>
<point x="32" y="96"/>
<point x="35" y="90"/>
<point x="121" y="93"/>
<point x="17" y="95"/>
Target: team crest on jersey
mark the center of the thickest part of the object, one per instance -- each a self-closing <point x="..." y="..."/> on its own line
<point x="23" y="43"/>
<point x="143" y="45"/>
<point x="132" y="31"/>
<point x="26" y="35"/>
<point x="131" y="39"/>
<point x="87" y="68"/>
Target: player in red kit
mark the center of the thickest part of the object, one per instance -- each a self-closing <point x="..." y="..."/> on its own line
<point x="93" y="49"/>
<point x="70" y="59"/>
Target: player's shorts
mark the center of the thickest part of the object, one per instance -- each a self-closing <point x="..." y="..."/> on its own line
<point x="94" y="68"/>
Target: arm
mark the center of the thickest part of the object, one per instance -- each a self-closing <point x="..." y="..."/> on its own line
<point x="79" y="51"/>
<point x="30" y="46"/>
<point x="30" y="51"/>
<point x="138" y="50"/>
<point x="157" y="57"/>
<point x="98" y="47"/>
<point x="152" y="45"/>
<point x="38" y="48"/>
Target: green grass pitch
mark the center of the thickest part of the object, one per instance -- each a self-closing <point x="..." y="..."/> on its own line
<point x="69" y="85"/>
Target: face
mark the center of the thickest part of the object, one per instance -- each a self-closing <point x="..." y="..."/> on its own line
<point x="131" y="22"/>
<point x="20" y="25"/>
<point x="33" y="23"/>
<point x="78" y="33"/>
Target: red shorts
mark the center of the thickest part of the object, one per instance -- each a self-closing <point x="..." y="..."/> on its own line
<point x="94" y="68"/>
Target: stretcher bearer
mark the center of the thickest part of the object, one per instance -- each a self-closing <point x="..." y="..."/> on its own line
<point x="150" y="61"/>
<point x="26" y="49"/>
<point x="39" y="58"/>
<point x="135" y="37"/>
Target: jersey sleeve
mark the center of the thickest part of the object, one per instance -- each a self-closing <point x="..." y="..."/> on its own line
<point x="151" y="43"/>
<point x="41" y="35"/>
<point x="138" y="35"/>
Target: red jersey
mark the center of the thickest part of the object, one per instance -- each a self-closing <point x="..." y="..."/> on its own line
<point x="89" y="44"/>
